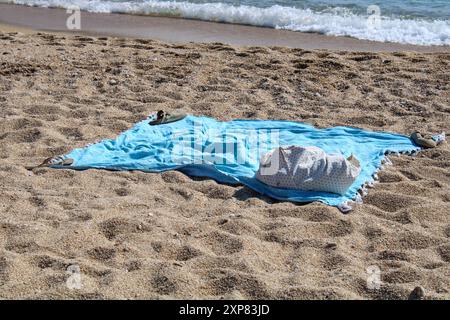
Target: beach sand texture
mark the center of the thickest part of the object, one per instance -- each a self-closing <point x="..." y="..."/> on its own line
<point x="141" y="235"/>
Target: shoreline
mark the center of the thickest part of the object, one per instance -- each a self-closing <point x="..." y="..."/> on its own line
<point x="179" y="30"/>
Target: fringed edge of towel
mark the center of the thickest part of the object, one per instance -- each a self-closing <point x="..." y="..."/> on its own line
<point x="346" y="206"/>
<point x="363" y="191"/>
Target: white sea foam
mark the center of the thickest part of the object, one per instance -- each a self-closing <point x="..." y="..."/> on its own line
<point x="339" y="22"/>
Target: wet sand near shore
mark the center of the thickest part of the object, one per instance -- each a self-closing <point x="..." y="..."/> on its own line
<point x="159" y="236"/>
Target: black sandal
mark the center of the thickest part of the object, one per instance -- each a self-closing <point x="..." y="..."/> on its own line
<point x="163" y="117"/>
<point x="52" y="161"/>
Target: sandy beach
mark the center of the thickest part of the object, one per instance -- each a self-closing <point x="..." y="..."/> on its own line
<point x="137" y="235"/>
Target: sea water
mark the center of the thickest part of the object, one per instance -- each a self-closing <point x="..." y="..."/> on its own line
<point x="420" y="22"/>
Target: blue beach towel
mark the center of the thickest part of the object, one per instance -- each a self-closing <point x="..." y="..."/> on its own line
<point x="229" y="152"/>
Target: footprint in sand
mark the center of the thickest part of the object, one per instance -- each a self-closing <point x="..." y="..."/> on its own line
<point x="386" y="176"/>
<point x="24" y="69"/>
<point x="165" y="280"/>
<point x="411" y="175"/>
<point x="224" y="244"/>
<point x="389" y="201"/>
<point x="365" y="57"/>
<point x="334" y="261"/>
<point x="71" y="133"/>
<point x="47" y="262"/>
<point x="4" y="275"/>
<point x="22" y="246"/>
<point x="37" y="201"/>
<point x="340" y="228"/>
<point x="393" y="255"/>
<point x="163" y="285"/>
<point x="186" y="253"/>
<point x="216" y="191"/>
<point x="444" y="252"/>
<point x="28" y="135"/>
<point x="102" y="253"/>
<point x="133" y="265"/>
<point x="24" y="123"/>
<point x="319" y="213"/>
<point x="403" y="275"/>
<point x="250" y="286"/>
<point x="175" y="251"/>
<point x="186" y="194"/>
<point x="114" y="227"/>
<point x="174" y="177"/>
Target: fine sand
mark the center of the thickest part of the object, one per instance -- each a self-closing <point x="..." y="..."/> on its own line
<point x="141" y="235"/>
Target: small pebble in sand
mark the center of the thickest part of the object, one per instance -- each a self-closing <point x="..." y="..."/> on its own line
<point x="112" y="82"/>
<point x="222" y="221"/>
<point x="417" y="294"/>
